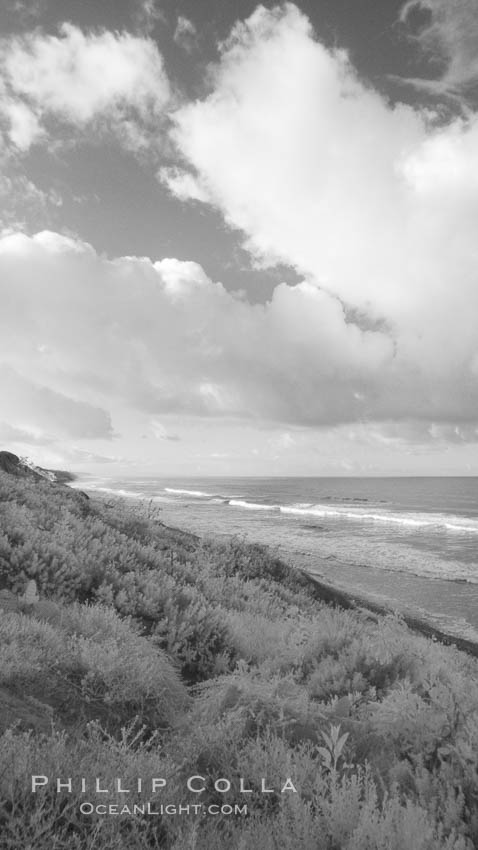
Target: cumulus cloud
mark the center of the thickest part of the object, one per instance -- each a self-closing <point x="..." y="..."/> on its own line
<point x="448" y="36"/>
<point x="374" y="206"/>
<point x="110" y="80"/>
<point x="162" y="338"/>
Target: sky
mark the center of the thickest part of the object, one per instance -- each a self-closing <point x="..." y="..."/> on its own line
<point x="239" y="239"/>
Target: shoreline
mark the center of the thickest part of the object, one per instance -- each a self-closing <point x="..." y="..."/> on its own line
<point x="325" y="591"/>
<point x="219" y="657"/>
<point x="349" y="600"/>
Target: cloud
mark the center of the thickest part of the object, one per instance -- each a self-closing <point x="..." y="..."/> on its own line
<point x="415" y="433"/>
<point x="185" y="34"/>
<point x="372" y="205"/>
<point x="373" y="208"/>
<point x="40" y="409"/>
<point x="25" y="11"/>
<point x="182" y="184"/>
<point x="80" y="455"/>
<point x="159" y="432"/>
<point x="20" y="197"/>
<point x="24" y="436"/>
<point x="109" y="81"/>
<point x="273" y="149"/>
<point x="448" y="36"/>
<point x="162" y="338"/>
<point x="147" y="14"/>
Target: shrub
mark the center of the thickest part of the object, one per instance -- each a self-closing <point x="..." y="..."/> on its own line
<point x="99" y="657"/>
<point x="127" y="605"/>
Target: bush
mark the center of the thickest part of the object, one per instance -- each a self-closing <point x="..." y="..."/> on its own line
<point x="128" y="605"/>
<point x="98" y="658"/>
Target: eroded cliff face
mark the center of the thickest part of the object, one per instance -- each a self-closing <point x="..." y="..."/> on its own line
<point x="21" y="468"/>
<point x="12" y="464"/>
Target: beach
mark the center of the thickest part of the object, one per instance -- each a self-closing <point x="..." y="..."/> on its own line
<point x="400" y="545"/>
<point x="157" y="644"/>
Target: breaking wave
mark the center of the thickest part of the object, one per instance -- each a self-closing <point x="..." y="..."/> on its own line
<point x="197" y="494"/>
<point x="252" y="506"/>
<point x="407" y="519"/>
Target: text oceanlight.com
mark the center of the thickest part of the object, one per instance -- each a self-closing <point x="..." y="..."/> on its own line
<point x="196" y="809"/>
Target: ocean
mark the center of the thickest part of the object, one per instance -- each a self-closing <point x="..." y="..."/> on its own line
<point x="409" y="543"/>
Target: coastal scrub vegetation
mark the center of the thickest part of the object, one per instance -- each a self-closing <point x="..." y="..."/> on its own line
<point x="153" y="653"/>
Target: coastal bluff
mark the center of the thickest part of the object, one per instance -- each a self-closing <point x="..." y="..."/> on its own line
<point x="129" y="648"/>
<point x="21" y="468"/>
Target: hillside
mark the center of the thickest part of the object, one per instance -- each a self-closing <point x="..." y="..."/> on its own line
<point x="152" y="653"/>
<point x="22" y="468"/>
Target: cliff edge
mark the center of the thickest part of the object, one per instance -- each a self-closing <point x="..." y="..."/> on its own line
<point x="22" y="468"/>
